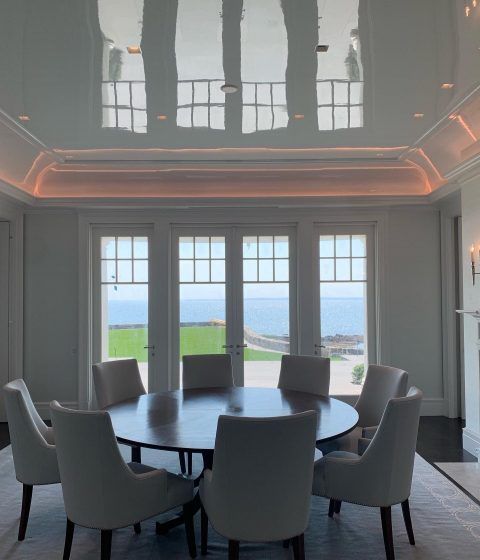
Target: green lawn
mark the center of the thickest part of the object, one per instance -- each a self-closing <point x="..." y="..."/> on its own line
<point x="129" y="343"/>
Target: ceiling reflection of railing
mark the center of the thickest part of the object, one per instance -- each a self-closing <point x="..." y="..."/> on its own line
<point x="201" y="104"/>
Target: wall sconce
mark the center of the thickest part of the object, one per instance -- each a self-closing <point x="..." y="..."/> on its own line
<point x="472" y="258"/>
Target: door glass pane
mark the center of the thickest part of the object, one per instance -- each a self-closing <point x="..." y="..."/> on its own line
<point x="202" y="296"/>
<point x="343" y="310"/>
<point x="124" y="300"/>
<point x="266" y="314"/>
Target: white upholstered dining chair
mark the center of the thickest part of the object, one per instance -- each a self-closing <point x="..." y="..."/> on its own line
<point x="103" y="492"/>
<point x="207" y="370"/>
<point x="202" y="371"/>
<point x="382" y="383"/>
<point x="119" y="380"/>
<point x="309" y="374"/>
<point x="259" y="487"/>
<point x="33" y="446"/>
<point x="382" y="476"/>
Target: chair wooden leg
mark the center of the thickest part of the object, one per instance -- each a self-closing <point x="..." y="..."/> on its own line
<point x="189" y="530"/>
<point x="233" y="550"/>
<point x="26" y="503"/>
<point x="338" y="506"/>
<point x="137" y="528"/>
<point x="136" y="454"/>
<point x="408" y="522"/>
<point x="181" y="457"/>
<point x="331" y="508"/>
<point x="190" y="462"/>
<point x="203" y="531"/>
<point x="68" y="539"/>
<point x="106" y="548"/>
<point x="386" y="514"/>
<point x="298" y="548"/>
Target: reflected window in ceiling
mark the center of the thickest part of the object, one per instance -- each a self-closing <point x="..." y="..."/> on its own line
<point x="264" y="63"/>
<point x="199" y="54"/>
<point x="340" y="72"/>
<point x="123" y="76"/>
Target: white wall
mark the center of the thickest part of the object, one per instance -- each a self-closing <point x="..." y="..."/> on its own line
<point x="410" y="292"/>
<point x="51" y="307"/>
<point x="471" y="301"/>
<point x="414" y="300"/>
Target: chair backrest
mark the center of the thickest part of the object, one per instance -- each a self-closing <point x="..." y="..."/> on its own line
<point x="262" y="476"/>
<point x="309" y="374"/>
<point x="207" y="370"/>
<point x="95" y="478"/>
<point x="382" y="383"/>
<point x="389" y="459"/>
<point x="28" y="434"/>
<point x="116" y="381"/>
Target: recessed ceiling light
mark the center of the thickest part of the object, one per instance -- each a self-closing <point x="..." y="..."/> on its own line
<point x="299" y="116"/>
<point x="229" y="88"/>
<point x="23" y="118"/>
<point x="447" y="86"/>
<point x="419" y="115"/>
<point x="135" y="49"/>
<point x="162" y="117"/>
<point x="322" y="48"/>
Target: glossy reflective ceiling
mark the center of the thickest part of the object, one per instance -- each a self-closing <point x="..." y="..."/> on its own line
<point x="102" y="94"/>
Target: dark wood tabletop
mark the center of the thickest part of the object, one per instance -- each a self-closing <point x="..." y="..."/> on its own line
<point x="187" y="419"/>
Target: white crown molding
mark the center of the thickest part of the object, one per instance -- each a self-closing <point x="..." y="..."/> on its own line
<point x="27" y="136"/>
<point x="280" y="202"/>
<point x="15" y="194"/>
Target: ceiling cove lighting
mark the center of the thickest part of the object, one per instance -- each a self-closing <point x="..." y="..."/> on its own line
<point x="134" y="49"/>
<point x="23" y="117"/>
<point x="229" y="88"/>
<point x="322" y="48"/>
<point x="447" y="86"/>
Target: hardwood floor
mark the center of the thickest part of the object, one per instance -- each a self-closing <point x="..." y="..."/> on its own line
<point x="440" y="440"/>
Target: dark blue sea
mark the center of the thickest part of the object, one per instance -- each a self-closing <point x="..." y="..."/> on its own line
<point x="343" y="316"/>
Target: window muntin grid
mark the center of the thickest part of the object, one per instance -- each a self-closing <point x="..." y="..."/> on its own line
<point x="339" y="104"/>
<point x="265" y="259"/>
<point x="201" y="259"/>
<point x="124" y="260"/>
<point x="343" y="258"/>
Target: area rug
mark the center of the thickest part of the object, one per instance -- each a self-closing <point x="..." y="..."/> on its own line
<point x="466" y="475"/>
<point x="446" y="524"/>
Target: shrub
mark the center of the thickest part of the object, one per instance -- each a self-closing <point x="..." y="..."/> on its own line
<point x="358" y="373"/>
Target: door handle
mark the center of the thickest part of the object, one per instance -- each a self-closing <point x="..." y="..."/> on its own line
<point x="242" y="345"/>
<point x="227" y="345"/>
<point x="149" y="347"/>
<point x="319" y="346"/>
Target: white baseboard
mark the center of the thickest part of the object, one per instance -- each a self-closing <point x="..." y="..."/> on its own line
<point x="471" y="442"/>
<point x="44" y="408"/>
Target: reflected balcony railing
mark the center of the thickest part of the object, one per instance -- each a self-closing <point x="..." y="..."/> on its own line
<point x="201" y="104"/>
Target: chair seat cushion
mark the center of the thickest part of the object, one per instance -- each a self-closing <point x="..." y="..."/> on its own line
<point x="319" y="475"/>
<point x="140" y="468"/>
<point x="346" y="443"/>
<point x="179" y="489"/>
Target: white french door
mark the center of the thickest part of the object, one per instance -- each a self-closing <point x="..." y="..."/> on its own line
<point x="234" y="291"/>
<point x="121" y="296"/>
<point x="345" y="309"/>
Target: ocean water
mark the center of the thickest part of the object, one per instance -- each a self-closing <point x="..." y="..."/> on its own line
<point x="343" y="316"/>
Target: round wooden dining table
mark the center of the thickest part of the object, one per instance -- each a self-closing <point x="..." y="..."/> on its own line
<point x="186" y="420"/>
